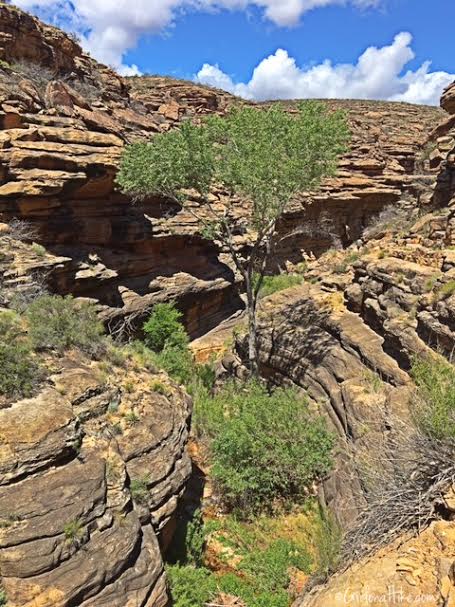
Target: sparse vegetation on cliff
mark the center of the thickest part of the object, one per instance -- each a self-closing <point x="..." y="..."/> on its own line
<point x="60" y="323"/>
<point x="19" y="370"/>
<point x="435" y="402"/>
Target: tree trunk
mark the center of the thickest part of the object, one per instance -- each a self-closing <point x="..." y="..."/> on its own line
<point x="252" y="331"/>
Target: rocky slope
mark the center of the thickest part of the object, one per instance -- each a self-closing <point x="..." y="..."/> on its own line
<point x="65" y="119"/>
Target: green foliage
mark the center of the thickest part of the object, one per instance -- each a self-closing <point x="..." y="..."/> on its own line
<point x="446" y="290"/>
<point x="265" y="446"/>
<point x="167" y="342"/>
<point x="164" y="328"/>
<point x="272" y="284"/>
<point x="270" y="567"/>
<point x="435" y="403"/>
<point x="178" y="362"/>
<point x="3" y="597"/>
<point x="19" y="372"/>
<point x="142" y="355"/>
<point x="38" y="249"/>
<point x="264" y="154"/>
<point x="191" y="586"/>
<point x="158" y="386"/>
<point x="262" y="578"/>
<point x="59" y="323"/>
<point x="139" y="490"/>
<point x="73" y="531"/>
<point x="195" y="540"/>
<point x="328" y="542"/>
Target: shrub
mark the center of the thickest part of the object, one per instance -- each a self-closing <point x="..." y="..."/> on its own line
<point x="178" y="362"/>
<point x="391" y="219"/>
<point x="38" y="249"/>
<point x="266" y="446"/>
<point x="74" y="532"/>
<point x="190" y="586"/>
<point x="60" y="323"/>
<point x="435" y="403"/>
<point x="139" y="490"/>
<point x="19" y="372"/>
<point x="273" y="284"/>
<point x="164" y="328"/>
<point x="3" y="597"/>
<point x="446" y="290"/>
<point x="270" y="568"/>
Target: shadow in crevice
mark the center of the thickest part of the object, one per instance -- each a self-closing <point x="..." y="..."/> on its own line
<point x="190" y="503"/>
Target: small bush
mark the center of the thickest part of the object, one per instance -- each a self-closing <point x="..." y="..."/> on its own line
<point x="191" y="586"/>
<point x="435" y="403"/>
<point x="37" y="73"/>
<point x="19" y="372"/>
<point x="270" y="567"/>
<point x="177" y="362"/>
<point x="273" y="284"/>
<point x="446" y="290"/>
<point x="38" y="249"/>
<point x="266" y="446"/>
<point x="392" y="219"/>
<point x="139" y="490"/>
<point x="73" y="531"/>
<point x="3" y="598"/>
<point x="59" y="323"/>
<point x="164" y="328"/>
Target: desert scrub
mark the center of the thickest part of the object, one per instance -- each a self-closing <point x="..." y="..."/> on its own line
<point x="446" y="290"/>
<point x="262" y="577"/>
<point x="58" y="323"/>
<point x="19" y="371"/>
<point x="328" y="539"/>
<point x="265" y="447"/>
<point x="167" y="340"/>
<point x="435" y="397"/>
<point x="74" y="532"/>
<point x="273" y="284"/>
<point x="139" y="490"/>
<point x="38" y="249"/>
<point x="372" y="381"/>
<point x="164" y="328"/>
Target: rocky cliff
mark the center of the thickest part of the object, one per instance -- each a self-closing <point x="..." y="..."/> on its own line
<point x="348" y="337"/>
<point x="65" y="119"/>
<point x="91" y="471"/>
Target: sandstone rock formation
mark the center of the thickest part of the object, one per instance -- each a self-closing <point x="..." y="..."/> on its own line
<point x="90" y="473"/>
<point x="65" y="119"/>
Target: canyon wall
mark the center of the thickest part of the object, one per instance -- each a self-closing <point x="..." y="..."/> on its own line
<point x="348" y="336"/>
<point x="65" y="120"/>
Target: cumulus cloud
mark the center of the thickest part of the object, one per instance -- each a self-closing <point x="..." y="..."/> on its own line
<point x="109" y="28"/>
<point x="378" y="74"/>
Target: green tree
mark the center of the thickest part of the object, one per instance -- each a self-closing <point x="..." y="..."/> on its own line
<point x="261" y="155"/>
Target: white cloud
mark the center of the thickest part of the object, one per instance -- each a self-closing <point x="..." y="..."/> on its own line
<point x="111" y="27"/>
<point x="378" y="74"/>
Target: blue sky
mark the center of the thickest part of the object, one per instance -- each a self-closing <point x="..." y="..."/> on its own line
<point x="299" y="48"/>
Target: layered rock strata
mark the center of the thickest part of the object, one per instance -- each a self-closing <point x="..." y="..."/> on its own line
<point x="91" y="469"/>
<point x="65" y="120"/>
